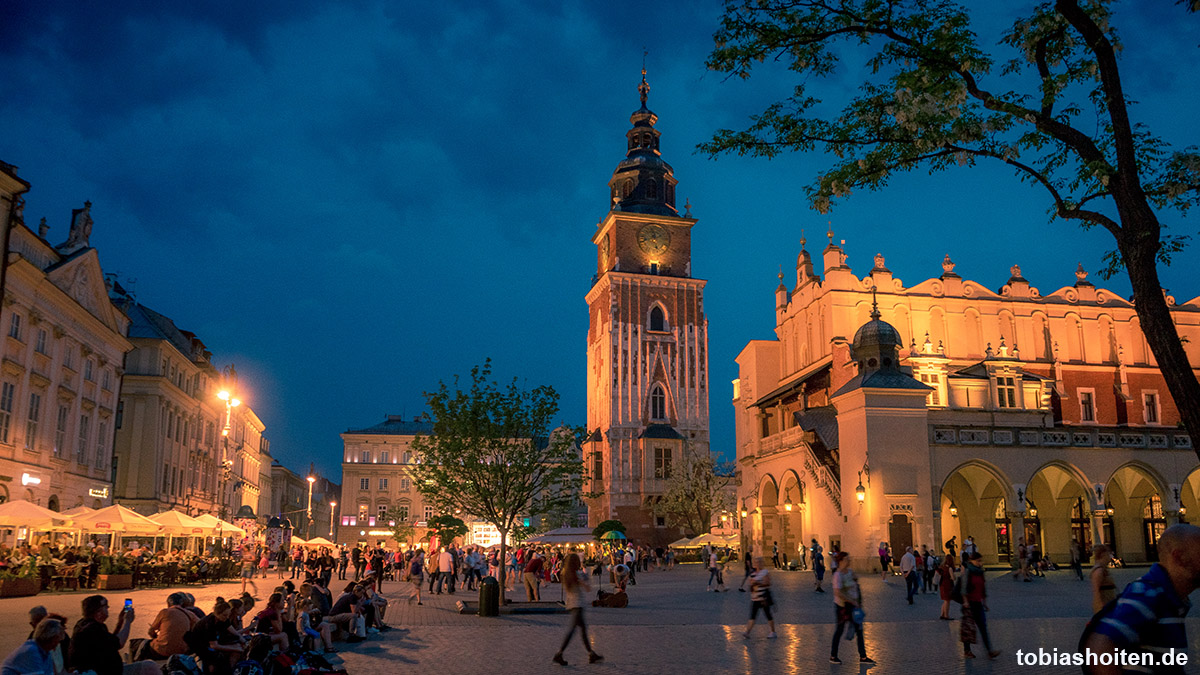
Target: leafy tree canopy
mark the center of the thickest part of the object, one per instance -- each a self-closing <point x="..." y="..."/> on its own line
<point x="1052" y="108"/>
<point x="696" y="489"/>
<point x="447" y="528"/>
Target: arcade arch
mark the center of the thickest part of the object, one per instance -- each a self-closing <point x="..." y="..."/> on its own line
<point x="971" y="496"/>
<point x="1134" y="501"/>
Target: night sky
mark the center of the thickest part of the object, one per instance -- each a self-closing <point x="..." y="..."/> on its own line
<point x="351" y="201"/>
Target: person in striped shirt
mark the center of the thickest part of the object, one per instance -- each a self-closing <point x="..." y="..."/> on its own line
<point x="1148" y="615"/>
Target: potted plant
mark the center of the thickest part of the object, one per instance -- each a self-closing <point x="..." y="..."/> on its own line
<point x="115" y="574"/>
<point x="20" y="581"/>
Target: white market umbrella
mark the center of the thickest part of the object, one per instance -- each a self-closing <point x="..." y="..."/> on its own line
<point x="298" y="541"/>
<point x="24" y="513"/>
<point x="80" y="510"/>
<point x="116" y="519"/>
<point x="320" y="542"/>
<point x="224" y="528"/>
<point x="176" y="523"/>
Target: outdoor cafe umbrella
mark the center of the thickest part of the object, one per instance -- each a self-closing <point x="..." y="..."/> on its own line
<point x="223" y="528"/>
<point x="23" y="513"/>
<point x="613" y="534"/>
<point x="80" y="510"/>
<point x="176" y="523"/>
<point x="118" y="519"/>
<point x="298" y="541"/>
<point x="320" y="541"/>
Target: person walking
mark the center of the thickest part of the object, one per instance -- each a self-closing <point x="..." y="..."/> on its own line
<point x="532" y="578"/>
<point x="575" y="591"/>
<point x="1104" y="589"/>
<point x="1077" y="558"/>
<point x="714" y="572"/>
<point x="908" y="569"/>
<point x="775" y="554"/>
<point x="749" y="570"/>
<point x="415" y="575"/>
<point x="885" y="560"/>
<point x="974" y="592"/>
<point x="249" y="560"/>
<point x="1148" y="617"/>
<point x="343" y="561"/>
<point x="760" y="597"/>
<point x="951" y="548"/>
<point x="847" y="599"/>
<point x="945" y="585"/>
<point x="818" y="565"/>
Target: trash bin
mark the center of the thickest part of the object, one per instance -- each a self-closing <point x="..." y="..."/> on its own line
<point x="489" y="597"/>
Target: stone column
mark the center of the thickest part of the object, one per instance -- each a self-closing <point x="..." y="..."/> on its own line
<point x="1098" y="516"/>
<point x="1017" y="523"/>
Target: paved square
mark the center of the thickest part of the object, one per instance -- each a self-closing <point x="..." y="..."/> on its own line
<point x="673" y="625"/>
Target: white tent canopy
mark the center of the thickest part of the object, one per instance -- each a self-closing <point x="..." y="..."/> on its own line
<point x="686" y="542"/>
<point x="22" y="513"/>
<point x="564" y="535"/>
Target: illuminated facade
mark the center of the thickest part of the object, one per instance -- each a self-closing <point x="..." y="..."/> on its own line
<point x="376" y="478"/>
<point x="62" y="358"/>
<point x="647" y="348"/>
<point x="958" y="410"/>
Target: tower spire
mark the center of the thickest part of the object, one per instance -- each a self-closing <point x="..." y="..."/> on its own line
<point x="874" y="306"/>
<point x="644" y="87"/>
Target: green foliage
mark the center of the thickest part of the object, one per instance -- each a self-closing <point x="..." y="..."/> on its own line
<point x="402" y="530"/>
<point x="115" y="564"/>
<point x="608" y="526"/>
<point x="27" y="570"/>
<point x="935" y="99"/>
<point x="521" y="532"/>
<point x="447" y="528"/>
<point x="696" y="489"/>
<point x="493" y="453"/>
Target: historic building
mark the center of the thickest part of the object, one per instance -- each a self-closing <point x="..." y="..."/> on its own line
<point x="958" y="410"/>
<point x="376" y="479"/>
<point x="289" y="497"/>
<point x="62" y="361"/>
<point x="647" y="343"/>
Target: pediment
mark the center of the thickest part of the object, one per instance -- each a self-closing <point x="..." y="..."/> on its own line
<point x="1104" y="297"/>
<point x="81" y="278"/>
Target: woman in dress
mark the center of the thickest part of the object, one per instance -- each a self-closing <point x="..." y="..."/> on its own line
<point x="760" y="596"/>
<point x="575" y="592"/>
<point x="946" y="585"/>
<point x="1104" y="589"/>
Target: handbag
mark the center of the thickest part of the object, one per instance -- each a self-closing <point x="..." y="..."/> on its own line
<point x="360" y="626"/>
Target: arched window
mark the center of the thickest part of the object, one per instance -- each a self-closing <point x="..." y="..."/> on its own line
<point x="651" y="189"/>
<point x="626" y="188"/>
<point x="658" y="319"/>
<point x="658" y="403"/>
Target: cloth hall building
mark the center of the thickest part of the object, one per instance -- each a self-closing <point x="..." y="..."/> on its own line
<point x="913" y="414"/>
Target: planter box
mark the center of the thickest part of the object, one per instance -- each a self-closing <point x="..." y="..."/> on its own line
<point x="16" y="588"/>
<point x="114" y="582"/>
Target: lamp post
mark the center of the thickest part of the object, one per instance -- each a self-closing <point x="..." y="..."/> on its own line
<point x="308" y="530"/>
<point x="231" y="401"/>
<point x="332" y="508"/>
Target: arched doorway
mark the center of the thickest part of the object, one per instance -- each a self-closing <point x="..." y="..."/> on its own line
<point x="791" y="517"/>
<point x="974" y="504"/>
<point x="1033" y="525"/>
<point x="1154" y="523"/>
<point x="1004" y="544"/>
<point x="1052" y="497"/>
<point x="53" y="503"/>
<point x="1081" y="526"/>
<point x="767" y="515"/>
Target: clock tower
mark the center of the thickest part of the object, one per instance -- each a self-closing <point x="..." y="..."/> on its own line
<point x="647" y="359"/>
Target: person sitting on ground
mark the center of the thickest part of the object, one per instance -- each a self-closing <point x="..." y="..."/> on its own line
<point x="94" y="648"/>
<point x="270" y="621"/>
<point x="168" y="628"/>
<point x="214" y="640"/>
<point x="346" y="610"/>
<point x="189" y="604"/>
<point x="305" y="628"/>
<point x="378" y="605"/>
<point x="36" y="655"/>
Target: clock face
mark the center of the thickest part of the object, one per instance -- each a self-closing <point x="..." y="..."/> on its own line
<point x="654" y="239"/>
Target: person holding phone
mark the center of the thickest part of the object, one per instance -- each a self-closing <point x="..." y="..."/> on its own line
<point x="94" y="648"/>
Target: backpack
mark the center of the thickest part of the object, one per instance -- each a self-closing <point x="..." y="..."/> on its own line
<point x="181" y="664"/>
<point x="248" y="667"/>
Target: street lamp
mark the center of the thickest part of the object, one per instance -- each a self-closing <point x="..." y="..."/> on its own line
<point x="332" y="506"/>
<point x="308" y="531"/>
<point x="231" y="401"/>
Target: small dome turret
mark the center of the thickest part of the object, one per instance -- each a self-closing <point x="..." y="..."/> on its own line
<point x="876" y="343"/>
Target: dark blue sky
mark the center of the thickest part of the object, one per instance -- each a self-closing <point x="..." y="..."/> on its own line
<point x="352" y="201"/>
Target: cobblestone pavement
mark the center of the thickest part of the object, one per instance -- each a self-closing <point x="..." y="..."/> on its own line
<point x="672" y="624"/>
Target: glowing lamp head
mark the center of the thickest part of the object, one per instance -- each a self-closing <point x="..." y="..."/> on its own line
<point x="953" y="510"/>
<point x="1033" y="513"/>
<point x="1110" y="510"/>
<point x="745" y="513"/>
<point x="860" y="492"/>
<point x="223" y="395"/>
<point x="332" y="504"/>
<point x="312" y="479"/>
<point x="787" y="506"/>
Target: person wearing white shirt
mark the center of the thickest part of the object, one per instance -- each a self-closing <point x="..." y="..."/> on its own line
<point x="908" y="568"/>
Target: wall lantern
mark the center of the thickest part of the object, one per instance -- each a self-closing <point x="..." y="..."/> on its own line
<point x="953" y="510"/>
<point x="745" y="513"/>
<point x="1182" y="510"/>
<point x="860" y="491"/>
<point x="1108" y="507"/>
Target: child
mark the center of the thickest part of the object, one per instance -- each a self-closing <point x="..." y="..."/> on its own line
<point x="304" y="626"/>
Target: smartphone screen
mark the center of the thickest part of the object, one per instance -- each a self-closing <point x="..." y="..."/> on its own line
<point x="128" y="603"/>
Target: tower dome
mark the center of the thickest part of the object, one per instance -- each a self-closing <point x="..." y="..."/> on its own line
<point x="643" y="182"/>
<point x="876" y="343"/>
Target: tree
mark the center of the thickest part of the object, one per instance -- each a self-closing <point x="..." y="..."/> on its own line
<point x="607" y="526"/>
<point x="935" y="99"/>
<point x="397" y="522"/>
<point x="447" y="528"/>
<point x="696" y="489"/>
<point x="492" y="453"/>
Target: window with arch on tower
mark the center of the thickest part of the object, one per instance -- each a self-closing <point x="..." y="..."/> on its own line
<point x="626" y="188"/>
<point x="658" y="403"/>
<point x="658" y="319"/>
<point x="651" y="189"/>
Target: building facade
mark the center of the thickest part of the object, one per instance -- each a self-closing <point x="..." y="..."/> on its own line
<point x="957" y="410"/>
<point x="290" y="498"/>
<point x="647" y="344"/>
<point x="61" y="369"/>
<point x="376" y="461"/>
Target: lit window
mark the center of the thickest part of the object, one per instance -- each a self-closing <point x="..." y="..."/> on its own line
<point x="382" y="512"/>
<point x="658" y="403"/>
<point x="364" y="483"/>
<point x="1087" y="406"/>
<point x="1150" y="405"/>
<point x="1006" y="392"/>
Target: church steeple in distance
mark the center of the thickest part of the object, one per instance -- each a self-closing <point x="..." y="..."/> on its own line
<point x="643" y="182"/>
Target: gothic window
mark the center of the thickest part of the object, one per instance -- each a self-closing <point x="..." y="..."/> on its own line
<point x="658" y="403"/>
<point x="626" y="188"/>
<point x="662" y="463"/>
<point x="658" y="319"/>
<point x="651" y="189"/>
